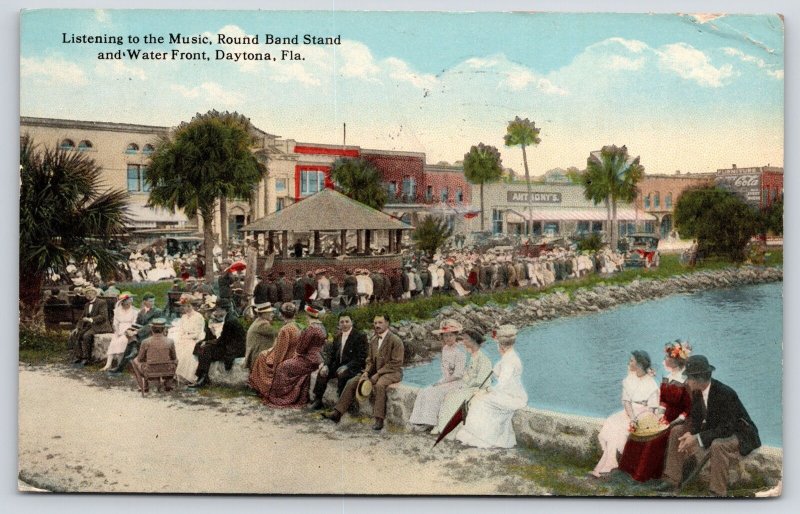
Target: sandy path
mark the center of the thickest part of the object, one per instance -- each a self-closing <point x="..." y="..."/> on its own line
<point x="78" y="434"/>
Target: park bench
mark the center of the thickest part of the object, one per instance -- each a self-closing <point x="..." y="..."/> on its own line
<point x="58" y="314"/>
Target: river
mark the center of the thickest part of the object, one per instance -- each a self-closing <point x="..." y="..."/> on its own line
<point x="576" y="364"/>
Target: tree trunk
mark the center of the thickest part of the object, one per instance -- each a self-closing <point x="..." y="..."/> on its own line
<point x="615" y="234"/>
<point x="223" y="226"/>
<point x="609" y="226"/>
<point x="30" y="294"/>
<point x="208" y="243"/>
<point x="529" y="221"/>
<point x="482" y="213"/>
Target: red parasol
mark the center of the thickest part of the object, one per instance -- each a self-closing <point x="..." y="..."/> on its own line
<point x="237" y="266"/>
<point x="460" y="415"/>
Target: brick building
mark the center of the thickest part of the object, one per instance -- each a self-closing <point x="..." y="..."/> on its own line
<point x="759" y="186"/>
<point x="658" y="195"/>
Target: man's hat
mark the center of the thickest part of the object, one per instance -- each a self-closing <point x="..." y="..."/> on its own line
<point x="159" y="322"/>
<point x="698" y="365"/>
<point x="263" y="307"/>
<point x="364" y="389"/>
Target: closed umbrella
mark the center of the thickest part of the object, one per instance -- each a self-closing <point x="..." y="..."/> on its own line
<point x="460" y="415"/>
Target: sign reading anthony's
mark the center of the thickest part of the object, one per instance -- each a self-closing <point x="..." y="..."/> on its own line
<point x="522" y="196"/>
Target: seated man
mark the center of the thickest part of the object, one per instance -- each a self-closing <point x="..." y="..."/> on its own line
<point x="718" y="429"/>
<point x="343" y="359"/>
<point x="384" y="367"/>
<point x="228" y="346"/>
<point x="156" y="355"/>
<point x="94" y="321"/>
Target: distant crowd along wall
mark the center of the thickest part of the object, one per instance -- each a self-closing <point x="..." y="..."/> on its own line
<point x="335" y="268"/>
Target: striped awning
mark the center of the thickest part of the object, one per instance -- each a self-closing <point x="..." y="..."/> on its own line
<point x="623" y="214"/>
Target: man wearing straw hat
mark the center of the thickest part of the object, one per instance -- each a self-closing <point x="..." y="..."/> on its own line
<point x="384" y="367"/>
<point x="718" y="430"/>
<point x="156" y="354"/>
<point x="94" y="321"/>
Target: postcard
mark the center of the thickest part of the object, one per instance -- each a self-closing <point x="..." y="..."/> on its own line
<point x="401" y="253"/>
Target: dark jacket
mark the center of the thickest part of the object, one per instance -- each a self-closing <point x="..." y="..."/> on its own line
<point x="284" y="290"/>
<point x="224" y="285"/>
<point x="98" y="311"/>
<point x="144" y="319"/>
<point x="350" y="285"/>
<point x="232" y="338"/>
<point x="726" y="416"/>
<point x="299" y="288"/>
<point x="261" y="292"/>
<point x="354" y="355"/>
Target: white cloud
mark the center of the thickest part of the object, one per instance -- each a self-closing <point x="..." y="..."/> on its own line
<point x="357" y="61"/>
<point x="549" y="88"/>
<point x="293" y="72"/>
<point x="210" y="92"/>
<point x="633" y="45"/>
<point x="54" y="69"/>
<point x="479" y="62"/>
<point x="617" y="62"/>
<point x="102" y="16"/>
<point x="399" y="70"/>
<point x="692" y="64"/>
<point x="120" y="69"/>
<point x="735" y="52"/>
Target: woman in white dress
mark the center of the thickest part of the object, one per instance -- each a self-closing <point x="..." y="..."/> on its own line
<point x="488" y="423"/>
<point x="639" y="394"/>
<point x="187" y="331"/>
<point x="476" y="373"/>
<point x="124" y="316"/>
<point x="429" y="400"/>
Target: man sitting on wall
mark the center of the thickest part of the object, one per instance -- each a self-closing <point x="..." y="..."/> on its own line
<point x="343" y="359"/>
<point x="228" y="346"/>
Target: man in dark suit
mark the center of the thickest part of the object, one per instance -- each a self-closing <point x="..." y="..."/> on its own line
<point x="384" y="367"/>
<point x="147" y="314"/>
<point x="94" y="321"/>
<point x="228" y="346"/>
<point x="284" y="288"/>
<point x="350" y="292"/>
<point x="718" y="429"/>
<point x="343" y="359"/>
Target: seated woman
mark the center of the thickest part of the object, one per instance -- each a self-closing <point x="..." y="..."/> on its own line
<point x="426" y="408"/>
<point x="639" y="395"/>
<point x="262" y="372"/>
<point x="186" y="332"/>
<point x="479" y="368"/>
<point x="290" y="387"/>
<point x="643" y="460"/>
<point x="488" y="423"/>
<point x="124" y="317"/>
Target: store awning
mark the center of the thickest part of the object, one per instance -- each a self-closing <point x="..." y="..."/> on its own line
<point x="623" y="214"/>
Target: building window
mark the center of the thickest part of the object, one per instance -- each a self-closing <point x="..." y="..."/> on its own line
<point x="656" y="200"/>
<point x="311" y="182"/>
<point x="84" y="146"/>
<point x="136" y="179"/>
<point x="279" y="204"/>
<point x="647" y="201"/>
<point x="132" y="148"/>
<point x="444" y="194"/>
<point x="597" y="227"/>
<point x="280" y="185"/>
<point x="668" y="201"/>
<point x="626" y="227"/>
<point x="409" y="188"/>
<point x="497" y="221"/>
<point x="551" y="228"/>
<point x="429" y="194"/>
<point x="148" y="149"/>
<point x="391" y="189"/>
<point x="459" y="195"/>
<point x="583" y="227"/>
<point x="649" y="227"/>
<point x="67" y="144"/>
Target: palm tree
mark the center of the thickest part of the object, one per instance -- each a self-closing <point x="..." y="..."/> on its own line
<point x="202" y="161"/>
<point x="64" y="216"/>
<point x="360" y="180"/>
<point x="611" y="176"/>
<point x="482" y="165"/>
<point x="524" y="133"/>
<point x="431" y="233"/>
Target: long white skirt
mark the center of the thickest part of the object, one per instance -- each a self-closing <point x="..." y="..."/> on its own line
<point x="489" y="422"/>
<point x="613" y="436"/>
<point x="429" y="401"/>
<point x="187" y="361"/>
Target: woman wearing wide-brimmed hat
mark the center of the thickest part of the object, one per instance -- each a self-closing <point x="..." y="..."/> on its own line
<point x="263" y="371"/>
<point x="124" y="317"/>
<point x="488" y="422"/>
<point x="643" y="457"/>
<point x="429" y="400"/>
<point x="186" y="332"/>
<point x="478" y="369"/>
<point x="639" y="395"/>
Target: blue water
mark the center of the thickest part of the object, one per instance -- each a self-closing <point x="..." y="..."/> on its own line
<point x="576" y="365"/>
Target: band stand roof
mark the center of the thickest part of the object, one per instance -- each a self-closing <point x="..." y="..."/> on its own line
<point x="327" y="210"/>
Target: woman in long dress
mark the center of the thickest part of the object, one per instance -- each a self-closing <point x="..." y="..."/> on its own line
<point x="186" y="332"/>
<point x="488" y="423"/>
<point x="644" y="460"/>
<point x="124" y="317"/>
<point x="639" y="395"/>
<point x="293" y="376"/>
<point x="478" y="370"/>
<point x="429" y="400"/>
<point x="262" y="372"/>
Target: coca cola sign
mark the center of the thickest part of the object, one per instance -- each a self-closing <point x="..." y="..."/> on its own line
<point x="747" y="186"/>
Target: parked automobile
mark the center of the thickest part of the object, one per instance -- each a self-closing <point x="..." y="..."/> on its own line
<point x="642" y="251"/>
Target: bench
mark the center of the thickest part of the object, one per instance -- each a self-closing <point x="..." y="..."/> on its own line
<point x="58" y="314"/>
<point x="160" y="371"/>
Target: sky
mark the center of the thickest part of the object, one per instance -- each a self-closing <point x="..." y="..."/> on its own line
<point x="684" y="92"/>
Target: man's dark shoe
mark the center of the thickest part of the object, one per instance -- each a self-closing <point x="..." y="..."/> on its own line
<point x="378" y="424"/>
<point x="334" y="416"/>
<point x="665" y="486"/>
<point x="317" y="405"/>
<point x="201" y="382"/>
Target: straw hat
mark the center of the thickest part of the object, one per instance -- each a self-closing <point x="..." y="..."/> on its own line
<point x="261" y="308"/>
<point x="449" y="326"/>
<point x="364" y="389"/>
<point x="647" y="427"/>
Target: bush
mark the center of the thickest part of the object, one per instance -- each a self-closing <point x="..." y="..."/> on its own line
<point x="592" y="243"/>
<point x="37" y="345"/>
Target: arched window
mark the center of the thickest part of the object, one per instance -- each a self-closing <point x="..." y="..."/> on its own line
<point x="409" y="188"/>
<point x="132" y="148"/>
<point x="85" y="145"/>
<point x="148" y="149"/>
<point x="668" y="201"/>
<point x="647" y="201"/>
<point x="67" y="144"/>
<point x="459" y="195"/>
<point x="656" y="200"/>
